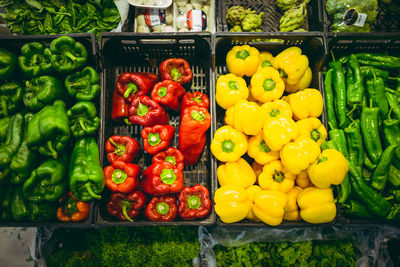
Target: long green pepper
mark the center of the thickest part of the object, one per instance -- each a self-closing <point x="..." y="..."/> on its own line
<point x="355" y="83"/>
<point x="339" y="85"/>
<point x="394" y="177"/>
<point x="380" y="175"/>
<point x="391" y="134"/>
<point x="355" y="144"/>
<point x="370" y="132"/>
<point x="329" y="100"/>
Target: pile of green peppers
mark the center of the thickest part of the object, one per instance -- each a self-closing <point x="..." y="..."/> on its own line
<point x="362" y="93"/>
<point x="48" y="125"/>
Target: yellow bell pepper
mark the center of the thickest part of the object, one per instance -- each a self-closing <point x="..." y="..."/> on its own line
<point x="317" y="205"/>
<point x="312" y="128"/>
<point x="277" y="108"/>
<point x="329" y="169"/>
<point x="291" y="64"/>
<point x="306" y="103"/>
<point x="298" y="155"/>
<point x="302" y="180"/>
<point x="269" y="206"/>
<point x="232" y="203"/>
<point x="247" y="117"/>
<point x="257" y="168"/>
<point x="267" y="85"/>
<point x="230" y="89"/>
<point x="266" y="59"/>
<point x="304" y="82"/>
<point x="243" y="60"/>
<point x="259" y="151"/>
<point x="228" y="144"/>
<point x="236" y="173"/>
<point x="278" y="132"/>
<point x="252" y="190"/>
<point x="292" y="210"/>
<point x="276" y="177"/>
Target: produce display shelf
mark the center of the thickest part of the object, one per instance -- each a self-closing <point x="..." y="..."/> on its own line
<point x="313" y="23"/>
<point x="358" y="43"/>
<point x="14" y="43"/>
<point x="312" y="45"/>
<point x="122" y="52"/>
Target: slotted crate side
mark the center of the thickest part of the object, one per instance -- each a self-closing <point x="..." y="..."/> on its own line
<point x="313" y="22"/>
<point x="135" y="52"/>
<point x="312" y="45"/>
<point x="14" y="43"/>
<point x="386" y="20"/>
<point x="346" y="45"/>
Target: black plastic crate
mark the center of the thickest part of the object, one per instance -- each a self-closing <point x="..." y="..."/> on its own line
<point x="345" y="45"/>
<point x="144" y="53"/>
<point x="14" y="43"/>
<point x="313" y="22"/>
<point x="312" y="45"/>
<point x="386" y="20"/>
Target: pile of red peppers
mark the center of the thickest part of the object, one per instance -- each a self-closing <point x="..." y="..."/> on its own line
<point x="162" y="182"/>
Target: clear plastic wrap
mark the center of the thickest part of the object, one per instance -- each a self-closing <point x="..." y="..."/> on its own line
<point x="371" y="241"/>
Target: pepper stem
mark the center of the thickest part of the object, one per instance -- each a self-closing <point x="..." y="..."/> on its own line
<point x="124" y="206"/>
<point x="154" y="139"/>
<point x="228" y="146"/>
<point x="51" y="149"/>
<point x="198" y="116"/>
<point x="176" y="74"/>
<point x="131" y="88"/>
<point x="333" y="56"/>
<point x="278" y="176"/>
<point x="389" y="116"/>
<point x="89" y="189"/>
<point x="120" y="149"/>
<point x="127" y="121"/>
<point x="119" y="176"/>
<point x="352" y="110"/>
<point x="71" y="56"/>
<point x="162" y="208"/>
<point x="194" y="202"/>
<point x="197" y="99"/>
<point x="82" y="124"/>
<point x="4" y="106"/>
<point x="162" y="92"/>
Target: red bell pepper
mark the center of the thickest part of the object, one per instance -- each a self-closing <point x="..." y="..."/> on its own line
<point x="195" y="122"/>
<point x="121" y="148"/>
<point x="168" y="93"/>
<point x="161" y="179"/>
<point x="195" y="99"/>
<point x="161" y="209"/>
<point x="122" y="177"/>
<point x="177" y="70"/>
<point x="194" y="202"/>
<point x="157" y="138"/>
<point x="126" y="206"/>
<point x="132" y="84"/>
<point x="171" y="155"/>
<point x="146" y="112"/>
<point x="119" y="108"/>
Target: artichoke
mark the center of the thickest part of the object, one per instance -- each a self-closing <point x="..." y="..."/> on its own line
<point x="252" y="21"/>
<point x="293" y="18"/>
<point x="236" y="28"/>
<point x="236" y="14"/>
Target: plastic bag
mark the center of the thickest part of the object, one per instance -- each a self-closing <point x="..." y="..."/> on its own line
<point x="371" y="241"/>
<point x="351" y="15"/>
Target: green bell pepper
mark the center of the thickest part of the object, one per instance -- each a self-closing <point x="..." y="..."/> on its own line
<point x="47" y="182"/>
<point x="42" y="211"/>
<point x="34" y="61"/>
<point x="19" y="206"/>
<point x="82" y="119"/>
<point x="7" y="64"/>
<point x="4" y="122"/>
<point x="67" y="55"/>
<point x="5" y="214"/>
<point x="41" y="91"/>
<point x="83" y="85"/>
<point x="10" y="98"/>
<point x="86" y="177"/>
<point x="23" y="162"/>
<point x="48" y="132"/>
<point x="13" y="140"/>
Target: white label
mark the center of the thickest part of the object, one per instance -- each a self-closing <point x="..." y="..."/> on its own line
<point x="360" y="20"/>
<point x="197" y="20"/>
<point x="154" y="17"/>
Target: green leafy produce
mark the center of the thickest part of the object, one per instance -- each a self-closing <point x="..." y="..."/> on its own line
<point x="307" y="253"/>
<point x="124" y="246"/>
<point x="60" y="16"/>
<point x="336" y="9"/>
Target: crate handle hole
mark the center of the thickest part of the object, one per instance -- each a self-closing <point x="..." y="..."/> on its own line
<point x="128" y="42"/>
<point x="186" y="41"/>
<point x="157" y="41"/>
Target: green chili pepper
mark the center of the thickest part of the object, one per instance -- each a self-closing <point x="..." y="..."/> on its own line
<point x="394" y="177"/>
<point x="368" y="72"/>
<point x="395" y="194"/>
<point x="380" y="175"/>
<point x="355" y="82"/>
<point x="355" y="209"/>
<point x="368" y="163"/>
<point x="371" y="92"/>
<point x="328" y="145"/>
<point x="329" y="100"/>
<point x="381" y="100"/>
<point x="355" y="144"/>
<point x="374" y="202"/>
<point x="391" y="136"/>
<point x="379" y="60"/>
<point x="366" y="174"/>
<point x="394" y="213"/>
<point x="370" y="132"/>
<point x="19" y="206"/>
<point x="339" y="86"/>
<point x="4" y="122"/>
<point x="393" y="103"/>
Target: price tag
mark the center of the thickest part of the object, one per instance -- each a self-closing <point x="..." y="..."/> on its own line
<point x="196" y="20"/>
<point x="154" y="17"/>
<point x="360" y="20"/>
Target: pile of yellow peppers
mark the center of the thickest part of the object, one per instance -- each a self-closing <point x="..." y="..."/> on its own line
<point x="290" y="178"/>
